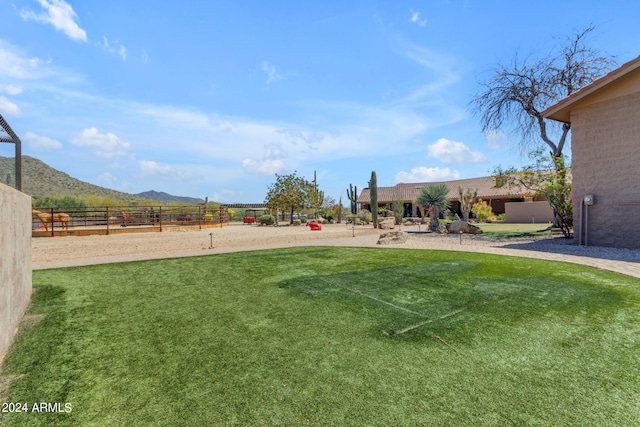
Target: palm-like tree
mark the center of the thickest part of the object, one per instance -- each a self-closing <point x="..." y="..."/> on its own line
<point x="434" y="199"/>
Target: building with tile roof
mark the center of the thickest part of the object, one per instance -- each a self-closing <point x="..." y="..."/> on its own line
<point x="495" y="197"/>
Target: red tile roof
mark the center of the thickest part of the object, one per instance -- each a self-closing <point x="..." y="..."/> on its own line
<point x="408" y="192"/>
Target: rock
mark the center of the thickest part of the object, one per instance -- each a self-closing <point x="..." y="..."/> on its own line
<point x="296" y="222"/>
<point x="463" y="227"/>
<point x="387" y="224"/>
<point x="392" y="237"/>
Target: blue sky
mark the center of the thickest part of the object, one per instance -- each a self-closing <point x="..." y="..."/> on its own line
<point x="213" y="98"/>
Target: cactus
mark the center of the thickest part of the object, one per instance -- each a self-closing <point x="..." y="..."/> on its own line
<point x="352" y="194"/>
<point x="373" y="189"/>
<point x="467" y="199"/>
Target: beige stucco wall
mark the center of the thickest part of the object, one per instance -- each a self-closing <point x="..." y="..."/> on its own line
<point x="606" y="163"/>
<point x="528" y="212"/>
<point x="15" y="261"/>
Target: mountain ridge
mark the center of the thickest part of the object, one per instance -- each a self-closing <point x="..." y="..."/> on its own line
<point x="41" y="180"/>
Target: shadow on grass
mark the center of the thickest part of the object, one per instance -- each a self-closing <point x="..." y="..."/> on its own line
<point x="426" y="300"/>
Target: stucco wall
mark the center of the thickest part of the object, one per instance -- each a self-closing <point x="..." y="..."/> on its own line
<point x="15" y="261"/>
<point x="606" y="163"/>
<point x="528" y="212"/>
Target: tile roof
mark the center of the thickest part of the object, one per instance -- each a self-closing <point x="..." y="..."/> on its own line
<point x="560" y="111"/>
<point x="408" y="192"/>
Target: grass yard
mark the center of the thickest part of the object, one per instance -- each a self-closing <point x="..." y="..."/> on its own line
<point x="331" y="336"/>
<point x="514" y="230"/>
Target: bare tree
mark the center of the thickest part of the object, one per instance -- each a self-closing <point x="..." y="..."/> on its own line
<point x="516" y="93"/>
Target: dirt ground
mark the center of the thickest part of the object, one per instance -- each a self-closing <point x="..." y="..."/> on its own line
<point x="54" y="252"/>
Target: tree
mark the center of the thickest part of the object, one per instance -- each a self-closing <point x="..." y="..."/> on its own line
<point x="517" y="94"/>
<point x="289" y="193"/>
<point x="434" y="199"/>
<point x="467" y="199"/>
<point x="398" y="206"/>
<point x="542" y="178"/>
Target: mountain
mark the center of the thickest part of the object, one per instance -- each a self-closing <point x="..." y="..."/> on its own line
<point x="41" y="180"/>
<point x="168" y="198"/>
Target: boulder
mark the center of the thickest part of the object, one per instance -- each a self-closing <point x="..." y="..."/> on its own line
<point x="463" y="227"/>
<point x="296" y="222"/>
<point x="387" y="224"/>
<point x="392" y="237"/>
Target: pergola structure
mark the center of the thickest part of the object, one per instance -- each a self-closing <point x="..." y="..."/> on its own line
<point x="8" y="135"/>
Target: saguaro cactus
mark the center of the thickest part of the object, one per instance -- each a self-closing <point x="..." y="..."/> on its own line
<point x="373" y="189"/>
<point x="352" y="194"/>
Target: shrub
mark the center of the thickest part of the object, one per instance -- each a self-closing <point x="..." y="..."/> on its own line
<point x="365" y="215"/>
<point x="482" y="211"/>
<point x="267" y="220"/>
<point x="501" y="217"/>
<point x="59" y="203"/>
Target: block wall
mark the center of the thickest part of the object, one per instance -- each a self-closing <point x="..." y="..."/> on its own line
<point x="15" y="261"/>
<point x="606" y="164"/>
<point x="528" y="212"/>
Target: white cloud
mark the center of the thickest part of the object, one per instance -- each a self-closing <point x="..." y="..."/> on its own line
<point x="39" y="142"/>
<point x="8" y="108"/>
<point x="107" y="145"/>
<point x="272" y="161"/>
<point x="110" y="181"/>
<point x="116" y="49"/>
<point x="452" y="152"/>
<point x="494" y="139"/>
<point x="149" y="168"/>
<point x="263" y="167"/>
<point x="273" y="152"/>
<point x="226" y="196"/>
<point x="32" y="72"/>
<point x="272" y="74"/>
<point x="11" y="89"/>
<point x="416" y="19"/>
<point x="59" y="14"/>
<point x="423" y="174"/>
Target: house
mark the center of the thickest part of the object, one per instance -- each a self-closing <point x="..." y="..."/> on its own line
<point x="501" y="200"/>
<point x="605" y="157"/>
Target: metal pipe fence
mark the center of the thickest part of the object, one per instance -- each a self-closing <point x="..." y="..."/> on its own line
<point x="120" y="219"/>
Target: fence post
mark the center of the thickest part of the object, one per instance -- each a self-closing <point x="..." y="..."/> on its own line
<point x="107" y="220"/>
<point x="160" y="209"/>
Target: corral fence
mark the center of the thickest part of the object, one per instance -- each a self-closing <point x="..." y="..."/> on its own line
<point x="126" y="219"/>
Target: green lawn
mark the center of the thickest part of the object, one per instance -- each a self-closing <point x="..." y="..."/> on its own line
<point x="331" y="336"/>
<point x="514" y="230"/>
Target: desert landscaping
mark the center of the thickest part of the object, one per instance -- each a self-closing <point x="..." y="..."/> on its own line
<point x="69" y="251"/>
